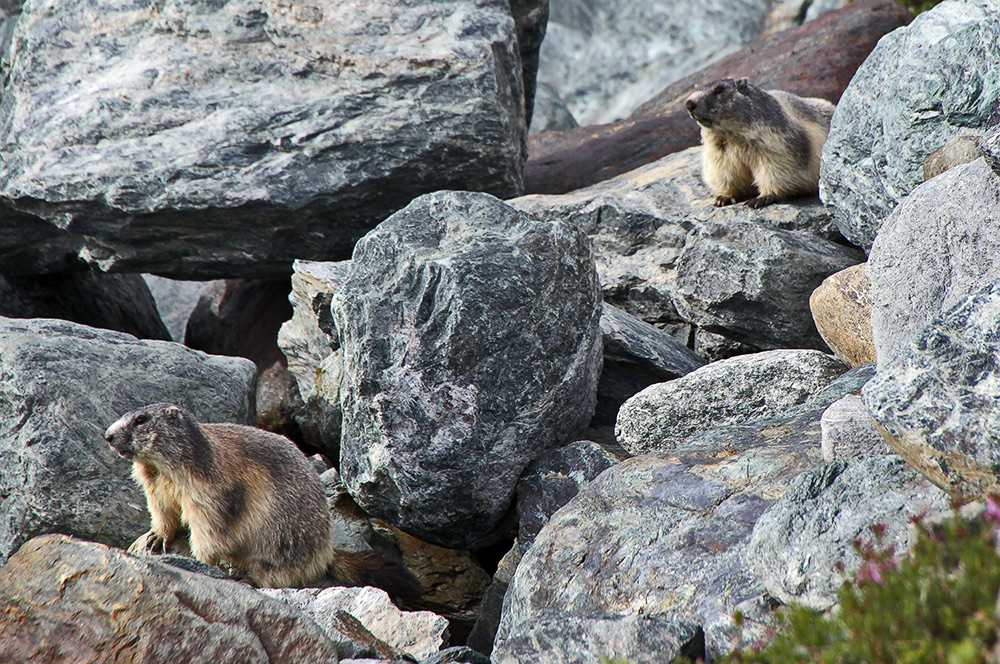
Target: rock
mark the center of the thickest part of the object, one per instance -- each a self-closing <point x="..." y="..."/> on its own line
<point x="484" y="631"/>
<point x="847" y="431"/>
<point x="830" y="48"/>
<point x="417" y="633"/>
<point x="175" y="300"/>
<point x="119" y="302"/>
<point x="751" y="282"/>
<point x="802" y="546"/>
<point x="937" y="402"/>
<point x="73" y="601"/>
<point x="530" y="18"/>
<point x="875" y="152"/>
<point x="477" y="351"/>
<point x="712" y="346"/>
<point x="551" y="112"/>
<point x="246" y="134"/>
<point x="934" y="250"/>
<point x="457" y="654"/>
<point x="955" y="152"/>
<point x="729" y="391"/>
<point x="62" y="384"/>
<point x="553" y="480"/>
<point x="842" y="310"/>
<point x="636" y="355"/>
<point x="990" y="147"/>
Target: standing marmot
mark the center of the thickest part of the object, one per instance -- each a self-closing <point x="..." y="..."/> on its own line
<point x="761" y="146"/>
<point x="249" y="497"/>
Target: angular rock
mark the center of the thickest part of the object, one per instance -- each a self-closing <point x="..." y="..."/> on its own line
<point x="830" y="48"/>
<point x="418" y="633"/>
<point x="935" y="249"/>
<point x="729" y="391"/>
<point x="530" y="18"/>
<point x="955" y="152"/>
<point x="246" y="134"/>
<point x="551" y="112"/>
<point x="471" y="345"/>
<point x="457" y="654"/>
<point x="934" y="80"/>
<point x="77" y="602"/>
<point x="842" y="310"/>
<point x="990" y="147"/>
<point x="119" y="302"/>
<point x="802" y="546"/>
<point x="636" y="355"/>
<point x="484" y="631"/>
<point x="61" y="385"/>
<point x="714" y="346"/>
<point x="847" y="431"/>
<point x="175" y="300"/>
<point x="938" y="403"/>
<point x="752" y="282"/>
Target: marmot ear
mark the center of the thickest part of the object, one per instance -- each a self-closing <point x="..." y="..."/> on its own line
<point x="173" y="412"/>
<point x="743" y="85"/>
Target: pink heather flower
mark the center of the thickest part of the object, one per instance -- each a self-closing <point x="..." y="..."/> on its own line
<point x="870" y="571"/>
<point x="992" y="510"/>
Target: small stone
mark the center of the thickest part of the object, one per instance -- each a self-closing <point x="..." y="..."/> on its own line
<point x="842" y="310"/>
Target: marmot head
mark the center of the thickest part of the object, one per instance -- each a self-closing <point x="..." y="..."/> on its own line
<point x="160" y="432"/>
<point x="723" y="104"/>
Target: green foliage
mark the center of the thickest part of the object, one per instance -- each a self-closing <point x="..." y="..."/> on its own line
<point x="937" y="606"/>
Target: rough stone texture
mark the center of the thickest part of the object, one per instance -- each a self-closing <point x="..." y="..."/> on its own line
<point x="937" y="247"/>
<point x="934" y="80"/>
<point x="200" y="140"/>
<point x="419" y="633"/>
<point x="955" y="152"/>
<point x="530" y="19"/>
<point x="636" y="355"/>
<point x="752" y="282"/>
<point x="119" y="302"/>
<point x="457" y="654"/>
<point x="842" y="310"/>
<point x="847" y="431"/>
<point x="938" y="403"/>
<point x="551" y="112"/>
<point x="61" y="386"/>
<point x="729" y="391"/>
<point x="990" y="147"/>
<point x="74" y="602"/>
<point x="817" y="59"/>
<point x="484" y="631"/>
<point x="802" y="546"/>
<point x="471" y="344"/>
<point x="175" y="300"/>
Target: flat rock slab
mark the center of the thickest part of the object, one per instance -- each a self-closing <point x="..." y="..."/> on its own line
<point x="72" y="602"/>
<point x="197" y="140"/>
<point x="61" y="386"/>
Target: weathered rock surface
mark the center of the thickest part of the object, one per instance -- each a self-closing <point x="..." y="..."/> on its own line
<point x="990" y="147"/>
<point x="175" y="300"/>
<point x="418" y="633"/>
<point x="842" y="309"/>
<point x="455" y="655"/>
<point x="955" y="152"/>
<point x="937" y="247"/>
<point x="197" y="140"/>
<point x="119" y="302"/>
<point x="847" y="431"/>
<point x="531" y="17"/>
<point x="934" y="80"/>
<point x="636" y="355"/>
<point x="471" y="345"/>
<point x="550" y="112"/>
<point x="802" y="546"/>
<point x="729" y="391"/>
<point x="77" y="602"/>
<point x="61" y="386"/>
<point x="830" y="49"/>
<point x="752" y="282"/>
<point x="938" y="401"/>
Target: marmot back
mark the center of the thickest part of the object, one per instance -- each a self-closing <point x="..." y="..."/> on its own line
<point x="761" y="146"/>
<point x="249" y="497"/>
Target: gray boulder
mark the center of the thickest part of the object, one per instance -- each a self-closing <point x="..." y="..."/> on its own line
<point x="938" y="247"/>
<point x="200" y="140"/>
<point x="989" y="144"/>
<point x="933" y="80"/>
<point x="847" y="431"/>
<point x="938" y="402"/>
<point x="61" y="386"/>
<point x="802" y="548"/>
<point x="175" y="300"/>
<point x="550" y="111"/>
<point x="730" y="391"/>
<point x="471" y="346"/>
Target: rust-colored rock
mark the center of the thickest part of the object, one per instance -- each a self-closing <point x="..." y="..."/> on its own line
<point x="817" y="59"/>
<point x="959" y="150"/>
<point x="842" y="310"/>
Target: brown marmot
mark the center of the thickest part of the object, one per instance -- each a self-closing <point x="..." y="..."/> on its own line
<point x="249" y="498"/>
<point x="761" y="146"/>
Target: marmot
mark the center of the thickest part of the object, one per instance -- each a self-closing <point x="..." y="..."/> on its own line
<point x="248" y="497"/>
<point x="761" y="146"/>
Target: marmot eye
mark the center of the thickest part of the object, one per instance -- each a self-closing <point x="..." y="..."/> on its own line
<point x="142" y="419"/>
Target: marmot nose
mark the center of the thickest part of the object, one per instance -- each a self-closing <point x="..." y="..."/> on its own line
<point x="690" y="104"/>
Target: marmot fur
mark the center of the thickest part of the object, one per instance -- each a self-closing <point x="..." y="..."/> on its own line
<point x="248" y="497"/>
<point x="761" y="146"/>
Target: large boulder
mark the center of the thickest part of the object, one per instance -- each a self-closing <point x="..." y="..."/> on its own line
<point x="938" y="404"/>
<point x="471" y="345"/>
<point x="61" y="386"/>
<point x="842" y="309"/>
<point x="921" y="86"/>
<point x="175" y="300"/>
<point x="73" y="602"/>
<point x="195" y="139"/>
<point x="935" y="249"/>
